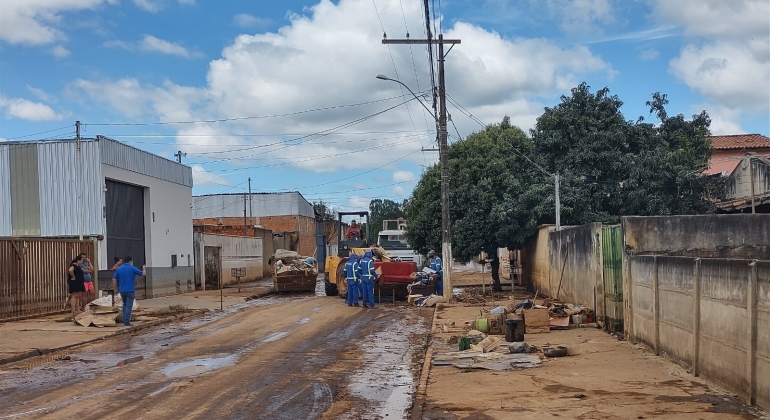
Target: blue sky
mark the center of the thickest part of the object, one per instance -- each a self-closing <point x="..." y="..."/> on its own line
<point x="246" y="72"/>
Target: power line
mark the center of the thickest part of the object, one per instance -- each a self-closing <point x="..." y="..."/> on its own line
<point x="42" y="132"/>
<point x="322" y="133"/>
<point x="228" y="189"/>
<point x="392" y="60"/>
<point x="250" y="118"/>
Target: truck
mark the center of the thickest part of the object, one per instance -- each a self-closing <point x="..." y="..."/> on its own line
<point x="392" y="238"/>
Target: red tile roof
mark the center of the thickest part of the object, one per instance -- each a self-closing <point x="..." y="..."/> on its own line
<point x="740" y="141"/>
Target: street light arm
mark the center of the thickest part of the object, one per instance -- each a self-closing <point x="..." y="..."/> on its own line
<point x="382" y="77"/>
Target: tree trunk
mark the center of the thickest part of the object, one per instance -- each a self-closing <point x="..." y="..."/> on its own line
<point x="495" y="263"/>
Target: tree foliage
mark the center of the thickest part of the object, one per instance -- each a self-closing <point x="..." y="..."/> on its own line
<point x="487" y="170"/>
<point x="502" y="183"/>
<point x="380" y="210"/>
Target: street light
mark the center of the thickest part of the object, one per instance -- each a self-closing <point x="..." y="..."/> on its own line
<point x="383" y="77"/>
<point x="441" y="122"/>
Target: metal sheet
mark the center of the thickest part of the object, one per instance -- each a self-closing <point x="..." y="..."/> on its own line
<point x="58" y="185"/>
<point x="5" y="192"/>
<point x="119" y="155"/>
<point x="262" y="205"/>
<point x="25" y="199"/>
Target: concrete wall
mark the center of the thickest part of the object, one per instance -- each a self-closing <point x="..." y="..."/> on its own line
<point x="168" y="230"/>
<point x="575" y="257"/>
<point x="236" y="252"/>
<point x="710" y="236"/>
<point x="739" y="183"/>
<point x="712" y="315"/>
<point x="536" y="265"/>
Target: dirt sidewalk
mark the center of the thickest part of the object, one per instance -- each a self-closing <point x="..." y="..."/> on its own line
<point x="610" y="379"/>
<point x="49" y="334"/>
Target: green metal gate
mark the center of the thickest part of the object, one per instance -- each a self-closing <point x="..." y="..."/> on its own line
<point x="612" y="256"/>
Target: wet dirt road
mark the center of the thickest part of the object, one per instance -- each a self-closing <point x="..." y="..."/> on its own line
<point x="297" y="357"/>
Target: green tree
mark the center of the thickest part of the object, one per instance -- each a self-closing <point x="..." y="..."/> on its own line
<point x="610" y="167"/>
<point x="489" y="174"/>
<point x="380" y="210"/>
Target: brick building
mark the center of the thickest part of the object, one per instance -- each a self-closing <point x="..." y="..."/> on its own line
<point x="288" y="215"/>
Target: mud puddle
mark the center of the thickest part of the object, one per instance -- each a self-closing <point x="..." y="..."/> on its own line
<point x="197" y="366"/>
<point x="388" y="378"/>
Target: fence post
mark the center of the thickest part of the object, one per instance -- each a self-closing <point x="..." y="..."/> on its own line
<point x="656" y="304"/>
<point x="628" y="303"/>
<point x="751" y="308"/>
<point x="696" y="319"/>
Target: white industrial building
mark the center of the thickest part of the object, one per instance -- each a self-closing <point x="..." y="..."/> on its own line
<point x="131" y="201"/>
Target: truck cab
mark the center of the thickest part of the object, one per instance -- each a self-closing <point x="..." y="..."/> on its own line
<point x="394" y="242"/>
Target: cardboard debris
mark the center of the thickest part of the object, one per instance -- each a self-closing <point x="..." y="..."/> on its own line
<point x="536" y="321"/>
<point x="559" y="323"/>
<point x="88" y="318"/>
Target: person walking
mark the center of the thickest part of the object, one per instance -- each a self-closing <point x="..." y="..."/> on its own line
<point x="75" y="285"/>
<point x="124" y="277"/>
<point x="352" y="279"/>
<point x="88" y="270"/>
<point x="368" y="277"/>
<point x="435" y="265"/>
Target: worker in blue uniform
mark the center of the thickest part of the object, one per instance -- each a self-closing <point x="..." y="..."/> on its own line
<point x="435" y="265"/>
<point x="352" y="279"/>
<point x="368" y="277"/>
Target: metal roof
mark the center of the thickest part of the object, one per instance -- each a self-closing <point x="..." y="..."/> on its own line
<point x="121" y="155"/>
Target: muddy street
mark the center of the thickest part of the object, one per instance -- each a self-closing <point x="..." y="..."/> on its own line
<point x="282" y="357"/>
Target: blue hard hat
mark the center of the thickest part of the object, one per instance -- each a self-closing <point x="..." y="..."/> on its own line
<point x="353" y="257"/>
<point x="368" y="253"/>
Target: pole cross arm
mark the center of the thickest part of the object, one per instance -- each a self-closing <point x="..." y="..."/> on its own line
<point x="421" y="41"/>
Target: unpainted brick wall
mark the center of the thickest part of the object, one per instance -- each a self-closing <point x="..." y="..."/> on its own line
<point x="234" y="226"/>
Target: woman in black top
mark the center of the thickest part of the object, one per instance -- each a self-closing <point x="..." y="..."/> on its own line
<point x="75" y="285"/>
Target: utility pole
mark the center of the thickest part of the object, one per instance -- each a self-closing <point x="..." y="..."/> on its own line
<point x="244" y="216"/>
<point x="80" y="179"/>
<point x="751" y="182"/>
<point x="251" y="210"/>
<point x="179" y="155"/>
<point x="446" y="234"/>
<point x="558" y="202"/>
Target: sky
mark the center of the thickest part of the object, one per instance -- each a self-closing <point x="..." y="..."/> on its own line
<point x="285" y="93"/>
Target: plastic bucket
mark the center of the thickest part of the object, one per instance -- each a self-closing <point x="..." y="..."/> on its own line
<point x="482" y="324"/>
<point x="514" y="333"/>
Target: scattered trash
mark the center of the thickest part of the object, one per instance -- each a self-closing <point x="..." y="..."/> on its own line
<point x="524" y="304"/>
<point x="558" y="351"/>
<point x="449" y="323"/>
<point x="497" y="311"/>
<point x="491" y="361"/>
<point x="519" y="348"/>
<point x="429" y="301"/>
<point x="580" y="396"/>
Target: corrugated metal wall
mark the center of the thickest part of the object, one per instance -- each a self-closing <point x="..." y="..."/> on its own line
<point x="58" y="176"/>
<point x="123" y="156"/>
<point x="5" y="193"/>
<point x="231" y="205"/>
<point x="25" y="199"/>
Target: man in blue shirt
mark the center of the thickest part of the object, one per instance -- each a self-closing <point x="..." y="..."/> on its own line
<point x="124" y="277"/>
<point x="435" y="265"/>
<point x="351" y="277"/>
<point x="368" y="277"/>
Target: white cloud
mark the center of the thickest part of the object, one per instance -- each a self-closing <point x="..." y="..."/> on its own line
<point x="398" y="190"/>
<point x="245" y="20"/>
<point x="150" y="43"/>
<point x="27" y="110"/>
<point x="148" y="5"/>
<point x="40" y="94"/>
<point x="202" y="177"/>
<point x="330" y="56"/>
<point x="582" y="16"/>
<point x="60" y="52"/>
<point x="727" y="54"/>
<point x="724" y="120"/>
<point x="358" y="203"/>
<point x="403" y="176"/>
<point x="649" y="54"/>
<point x="38" y="22"/>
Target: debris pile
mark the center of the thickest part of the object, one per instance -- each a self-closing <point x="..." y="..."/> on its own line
<point x="290" y="262"/>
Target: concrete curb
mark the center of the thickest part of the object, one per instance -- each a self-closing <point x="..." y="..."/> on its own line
<point x="136" y="328"/>
<point x="422" y="387"/>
